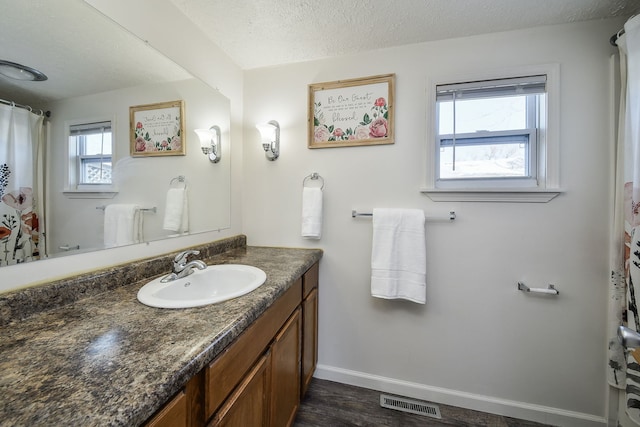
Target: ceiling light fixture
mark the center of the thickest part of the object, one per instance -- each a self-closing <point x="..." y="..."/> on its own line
<point x="20" y="72"/>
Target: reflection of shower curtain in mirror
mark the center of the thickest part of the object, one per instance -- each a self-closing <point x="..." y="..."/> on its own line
<point x="21" y="185"/>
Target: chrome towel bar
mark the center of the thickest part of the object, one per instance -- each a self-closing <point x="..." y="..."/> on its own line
<point x="451" y="217"/>
<point x="551" y="290"/>
<point x="153" y="209"/>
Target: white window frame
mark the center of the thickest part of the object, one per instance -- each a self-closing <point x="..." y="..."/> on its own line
<point x="73" y="188"/>
<point x="82" y="157"/>
<point x="545" y="185"/>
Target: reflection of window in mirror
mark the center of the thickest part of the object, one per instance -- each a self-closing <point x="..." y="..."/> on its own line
<point x="93" y="145"/>
<point x="90" y="156"/>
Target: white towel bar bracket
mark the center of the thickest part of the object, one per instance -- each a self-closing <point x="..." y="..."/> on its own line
<point x="551" y="290"/>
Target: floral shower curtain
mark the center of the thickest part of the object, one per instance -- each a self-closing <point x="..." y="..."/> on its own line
<point x="21" y="147"/>
<point x="624" y="366"/>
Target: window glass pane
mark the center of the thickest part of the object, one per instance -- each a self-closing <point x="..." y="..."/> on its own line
<point x="94" y="144"/>
<point x="90" y="161"/>
<point x="490" y="133"/>
<point x="483" y="114"/>
<point x="95" y="171"/>
<point x="483" y="160"/>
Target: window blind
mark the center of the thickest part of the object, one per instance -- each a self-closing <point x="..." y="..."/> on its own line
<point x="530" y="85"/>
<point x="89" y="128"/>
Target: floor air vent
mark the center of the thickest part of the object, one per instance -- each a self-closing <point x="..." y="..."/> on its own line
<point x="409" y="405"/>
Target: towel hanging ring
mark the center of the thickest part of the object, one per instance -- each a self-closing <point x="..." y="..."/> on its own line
<point x="179" y="179"/>
<point x="313" y="176"/>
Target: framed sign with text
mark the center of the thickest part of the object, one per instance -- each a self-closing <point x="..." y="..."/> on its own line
<point x="157" y="129"/>
<point x="352" y="112"/>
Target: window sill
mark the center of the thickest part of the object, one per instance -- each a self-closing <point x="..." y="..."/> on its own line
<point x="86" y="194"/>
<point x="491" y="195"/>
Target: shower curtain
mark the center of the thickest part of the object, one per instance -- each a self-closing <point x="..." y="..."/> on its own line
<point x="22" y="135"/>
<point x="624" y="366"/>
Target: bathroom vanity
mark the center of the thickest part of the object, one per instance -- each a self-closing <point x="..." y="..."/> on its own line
<point x="94" y="355"/>
<point x="258" y="379"/>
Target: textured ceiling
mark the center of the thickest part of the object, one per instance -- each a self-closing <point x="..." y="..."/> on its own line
<point x="258" y="33"/>
<point x="82" y="52"/>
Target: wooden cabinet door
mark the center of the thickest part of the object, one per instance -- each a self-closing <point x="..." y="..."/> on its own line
<point x="174" y="413"/>
<point x="248" y="404"/>
<point x="229" y="368"/>
<point x="285" y="372"/>
<point x="309" y="339"/>
<point x="184" y="410"/>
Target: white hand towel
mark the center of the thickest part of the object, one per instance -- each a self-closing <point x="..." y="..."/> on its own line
<point x="311" y="212"/>
<point x="176" y="214"/>
<point x="398" y="256"/>
<point x="122" y="225"/>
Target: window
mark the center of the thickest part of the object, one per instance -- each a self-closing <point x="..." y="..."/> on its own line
<point x="90" y="156"/>
<point x="488" y="132"/>
<point x="494" y="136"/>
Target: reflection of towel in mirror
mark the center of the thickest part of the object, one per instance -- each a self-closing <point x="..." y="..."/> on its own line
<point x="176" y="214"/>
<point x="122" y="225"/>
<point x="398" y="256"/>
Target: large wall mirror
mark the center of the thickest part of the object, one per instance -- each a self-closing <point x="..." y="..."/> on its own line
<point x="96" y="72"/>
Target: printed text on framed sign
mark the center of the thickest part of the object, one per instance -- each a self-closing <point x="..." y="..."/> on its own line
<point x="352" y="112"/>
<point x="157" y="129"/>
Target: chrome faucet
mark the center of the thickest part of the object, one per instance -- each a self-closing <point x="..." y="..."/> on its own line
<point x="182" y="268"/>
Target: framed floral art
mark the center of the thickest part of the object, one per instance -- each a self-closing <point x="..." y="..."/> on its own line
<point x="352" y="112"/>
<point x="157" y="129"/>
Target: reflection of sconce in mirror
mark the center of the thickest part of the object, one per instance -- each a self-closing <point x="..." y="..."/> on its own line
<point x="270" y="138"/>
<point x="210" y="143"/>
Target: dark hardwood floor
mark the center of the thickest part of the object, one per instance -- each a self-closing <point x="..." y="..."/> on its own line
<point x="331" y="404"/>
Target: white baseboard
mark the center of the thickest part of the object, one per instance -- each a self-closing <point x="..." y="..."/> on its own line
<point x="508" y="408"/>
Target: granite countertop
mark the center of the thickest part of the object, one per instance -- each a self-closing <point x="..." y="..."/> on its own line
<point x="107" y="359"/>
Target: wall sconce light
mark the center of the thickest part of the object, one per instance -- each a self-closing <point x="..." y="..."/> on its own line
<point x="210" y="143"/>
<point x="270" y="138"/>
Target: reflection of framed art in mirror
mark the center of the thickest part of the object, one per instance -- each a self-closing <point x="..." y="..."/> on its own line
<point x="157" y="129"/>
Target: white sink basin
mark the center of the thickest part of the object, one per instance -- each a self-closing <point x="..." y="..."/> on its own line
<point x="214" y="284"/>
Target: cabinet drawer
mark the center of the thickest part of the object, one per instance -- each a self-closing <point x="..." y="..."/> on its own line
<point x="228" y="369"/>
<point x="310" y="280"/>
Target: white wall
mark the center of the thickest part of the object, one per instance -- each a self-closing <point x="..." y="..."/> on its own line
<point x="478" y="342"/>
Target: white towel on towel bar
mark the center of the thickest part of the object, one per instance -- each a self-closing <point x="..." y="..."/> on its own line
<point x="311" y="212"/>
<point x="176" y="214"/>
<point x="398" y="256"/>
<point x="122" y="225"/>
